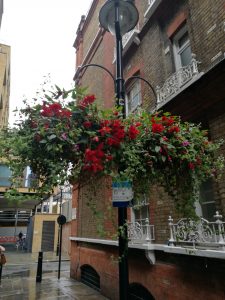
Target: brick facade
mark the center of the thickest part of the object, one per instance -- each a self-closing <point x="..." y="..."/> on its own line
<point x="173" y="276"/>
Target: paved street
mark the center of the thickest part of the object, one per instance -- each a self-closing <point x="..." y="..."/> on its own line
<point x="19" y="279"/>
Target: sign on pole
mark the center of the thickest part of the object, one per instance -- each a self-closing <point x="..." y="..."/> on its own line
<point x="122" y="193"/>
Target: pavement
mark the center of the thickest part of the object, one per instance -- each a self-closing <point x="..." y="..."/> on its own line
<point x="19" y="279"/>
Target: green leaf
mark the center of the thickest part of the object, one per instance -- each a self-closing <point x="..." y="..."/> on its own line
<point x="83" y="140"/>
<point x="157" y="148"/>
<point x="163" y="158"/>
<point x="51" y="137"/>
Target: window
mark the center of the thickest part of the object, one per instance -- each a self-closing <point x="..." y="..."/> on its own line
<point x="5" y="176"/>
<point x="133" y="97"/>
<point x="206" y="206"/>
<point x="182" y="48"/>
<point x="140" y="210"/>
<point x="207" y="201"/>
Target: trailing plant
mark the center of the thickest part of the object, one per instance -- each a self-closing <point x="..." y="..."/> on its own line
<point x="66" y="136"/>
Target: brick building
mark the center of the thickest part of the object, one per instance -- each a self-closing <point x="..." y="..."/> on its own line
<point x="178" y="46"/>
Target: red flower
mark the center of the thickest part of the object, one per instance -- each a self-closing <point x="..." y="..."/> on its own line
<point x="55" y="109"/>
<point x="37" y="137"/>
<point x="191" y="166"/>
<point x="105" y="123"/>
<point x="113" y="142"/>
<point x="109" y="157"/>
<point x="157" y="128"/>
<point x="174" y="129"/>
<point x="167" y="121"/>
<point x="66" y="113"/>
<point x="133" y="132"/>
<point x="119" y="134"/>
<point x="105" y="130"/>
<point x="95" y="139"/>
<point x="116" y="123"/>
<point x="87" y="100"/>
<point x="87" y="124"/>
<point x="46" y="126"/>
<point x="94" y="159"/>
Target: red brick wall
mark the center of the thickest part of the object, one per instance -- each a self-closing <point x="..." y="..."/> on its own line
<point x="207" y="29"/>
<point x="96" y="215"/>
<point x="173" y="277"/>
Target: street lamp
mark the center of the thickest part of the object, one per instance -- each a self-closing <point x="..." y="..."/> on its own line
<point x="119" y="17"/>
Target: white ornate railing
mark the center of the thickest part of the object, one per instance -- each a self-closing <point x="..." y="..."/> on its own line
<point x="198" y="234"/>
<point x="177" y="80"/>
<point x="140" y="231"/>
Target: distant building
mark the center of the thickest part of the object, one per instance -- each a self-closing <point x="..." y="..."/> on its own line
<point x="1" y="11"/>
<point x="178" y="46"/>
<point x="5" y="58"/>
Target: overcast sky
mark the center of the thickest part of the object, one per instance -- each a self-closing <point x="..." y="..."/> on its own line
<point x="41" y="35"/>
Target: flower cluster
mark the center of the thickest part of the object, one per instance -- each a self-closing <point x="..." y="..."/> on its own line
<point x="54" y="110"/>
<point x="106" y="142"/>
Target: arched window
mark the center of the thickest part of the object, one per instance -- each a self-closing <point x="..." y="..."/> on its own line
<point x="139" y="292"/>
<point x="90" y="277"/>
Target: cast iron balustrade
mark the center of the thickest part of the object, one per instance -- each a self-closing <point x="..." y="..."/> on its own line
<point x="200" y="234"/>
<point x="140" y="231"/>
<point x="177" y="81"/>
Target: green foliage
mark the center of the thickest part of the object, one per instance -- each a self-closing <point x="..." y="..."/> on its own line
<point x="64" y="136"/>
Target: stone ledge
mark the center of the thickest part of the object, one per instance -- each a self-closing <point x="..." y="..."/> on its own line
<point x="158" y="247"/>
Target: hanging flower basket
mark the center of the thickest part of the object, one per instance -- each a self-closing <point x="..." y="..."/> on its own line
<point x="67" y="137"/>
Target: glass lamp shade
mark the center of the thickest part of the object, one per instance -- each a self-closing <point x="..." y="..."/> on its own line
<point x="128" y="15"/>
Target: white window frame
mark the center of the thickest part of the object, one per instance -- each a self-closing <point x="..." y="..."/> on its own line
<point x="131" y="94"/>
<point x="200" y="204"/>
<point x="142" y="204"/>
<point x="176" y="49"/>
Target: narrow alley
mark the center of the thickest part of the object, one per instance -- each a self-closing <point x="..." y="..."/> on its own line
<point x="19" y="279"/>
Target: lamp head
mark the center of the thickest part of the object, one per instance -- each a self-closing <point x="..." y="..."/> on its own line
<point x="128" y="15"/>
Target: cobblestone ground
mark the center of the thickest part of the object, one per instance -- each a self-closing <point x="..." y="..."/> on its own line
<point x="19" y="280"/>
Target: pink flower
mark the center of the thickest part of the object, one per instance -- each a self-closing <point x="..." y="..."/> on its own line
<point x="185" y="143"/>
<point x="64" y="136"/>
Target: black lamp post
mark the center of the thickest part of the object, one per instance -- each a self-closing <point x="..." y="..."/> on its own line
<point x="119" y="17"/>
<point x="59" y="228"/>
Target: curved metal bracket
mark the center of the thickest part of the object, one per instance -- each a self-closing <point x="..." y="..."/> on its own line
<point x="141" y="78"/>
<point x="80" y="68"/>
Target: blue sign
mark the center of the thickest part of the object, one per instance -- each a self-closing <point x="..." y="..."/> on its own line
<point x="122" y="193"/>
